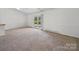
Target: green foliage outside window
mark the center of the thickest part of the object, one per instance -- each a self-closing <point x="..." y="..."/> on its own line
<point x="37" y="20"/>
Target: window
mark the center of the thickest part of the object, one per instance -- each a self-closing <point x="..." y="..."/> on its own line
<point x="37" y="20"/>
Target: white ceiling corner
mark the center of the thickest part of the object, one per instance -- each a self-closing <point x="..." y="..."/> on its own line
<point x="31" y="10"/>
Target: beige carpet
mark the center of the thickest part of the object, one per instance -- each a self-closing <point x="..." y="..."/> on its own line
<point x="30" y="39"/>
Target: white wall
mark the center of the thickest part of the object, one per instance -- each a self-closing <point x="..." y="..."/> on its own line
<point x="64" y="21"/>
<point x="2" y="30"/>
<point x="12" y="18"/>
<point x="61" y="20"/>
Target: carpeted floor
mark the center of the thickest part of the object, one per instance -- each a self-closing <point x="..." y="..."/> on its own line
<point x="30" y="39"/>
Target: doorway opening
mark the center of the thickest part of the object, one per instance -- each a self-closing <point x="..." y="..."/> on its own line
<point x="38" y="22"/>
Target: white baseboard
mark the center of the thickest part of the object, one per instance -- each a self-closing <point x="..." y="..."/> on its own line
<point x="63" y="33"/>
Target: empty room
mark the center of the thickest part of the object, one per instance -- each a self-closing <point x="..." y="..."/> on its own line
<point x="39" y="29"/>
